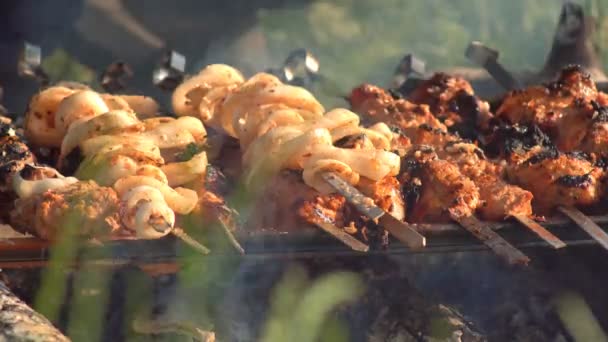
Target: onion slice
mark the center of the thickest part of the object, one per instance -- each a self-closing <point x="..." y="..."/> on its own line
<point x="87" y="128"/>
<point x="180" y="200"/>
<point x="26" y="188"/>
<point x="185" y="172"/>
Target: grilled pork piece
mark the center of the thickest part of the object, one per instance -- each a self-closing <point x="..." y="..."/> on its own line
<point x="94" y="209"/>
<point x="287" y="204"/>
<point x="508" y="141"/>
<point x="442" y="188"/>
<point x="497" y="199"/>
<point x="558" y="179"/>
<point x="570" y="110"/>
<point x="376" y="105"/>
<point x="14" y="154"/>
<point x="452" y="101"/>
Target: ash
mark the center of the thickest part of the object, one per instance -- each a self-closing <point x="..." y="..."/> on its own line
<point x="483" y="298"/>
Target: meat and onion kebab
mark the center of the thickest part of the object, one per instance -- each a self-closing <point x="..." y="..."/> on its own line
<point x="438" y="153"/>
<point x="130" y="180"/>
<point x="442" y="173"/>
<point x="284" y="133"/>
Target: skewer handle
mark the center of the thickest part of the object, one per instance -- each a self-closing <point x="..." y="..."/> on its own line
<point x="343" y="236"/>
<point x="400" y="230"/>
<point x="584" y="222"/>
<point x="187" y="239"/>
<point x="491" y="239"/>
<point x="541" y="231"/>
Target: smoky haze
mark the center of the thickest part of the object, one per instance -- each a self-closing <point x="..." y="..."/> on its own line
<point x="355" y="41"/>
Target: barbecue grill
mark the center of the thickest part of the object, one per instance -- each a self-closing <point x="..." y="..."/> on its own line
<point x="521" y="279"/>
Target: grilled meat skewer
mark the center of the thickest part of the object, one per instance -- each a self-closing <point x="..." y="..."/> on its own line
<point x="284" y="127"/>
<point x="452" y="100"/>
<point x="558" y="179"/>
<point x="493" y="198"/>
<point x="422" y="128"/>
<point x="569" y="110"/>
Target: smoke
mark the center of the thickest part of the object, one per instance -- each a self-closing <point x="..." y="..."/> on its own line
<point x="248" y="53"/>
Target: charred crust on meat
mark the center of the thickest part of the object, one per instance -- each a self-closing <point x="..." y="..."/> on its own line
<point x="580" y="155"/>
<point x="412" y="190"/>
<point x="600" y="113"/>
<point x="14" y="150"/>
<point x="572" y="181"/>
<point x="6" y="129"/>
<point x="509" y="139"/>
<point x="396" y="129"/>
<point x="466" y="105"/>
<point x="601" y="162"/>
<point x="560" y="87"/>
<point x="550" y="153"/>
<point x="426" y="127"/>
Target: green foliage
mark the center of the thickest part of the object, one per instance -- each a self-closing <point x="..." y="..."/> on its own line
<point x="191" y="150"/>
<point x="301" y="310"/>
<point x="61" y="66"/>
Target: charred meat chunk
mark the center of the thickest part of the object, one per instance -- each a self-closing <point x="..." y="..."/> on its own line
<point x="558" y="179"/>
<point x="94" y="209"/>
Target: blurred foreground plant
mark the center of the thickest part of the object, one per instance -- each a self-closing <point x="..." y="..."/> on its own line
<point x="301" y="309"/>
<point x="61" y="66"/>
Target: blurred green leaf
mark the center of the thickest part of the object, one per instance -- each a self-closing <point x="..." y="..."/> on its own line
<point x="61" y="66"/>
<point x="301" y="309"/>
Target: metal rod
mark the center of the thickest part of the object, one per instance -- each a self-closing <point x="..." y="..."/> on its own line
<point x="400" y="230"/>
<point x="581" y="220"/>
<point x="488" y="59"/>
<point x="187" y="239"/>
<point x="343" y="236"/>
<point x="491" y="239"/>
<point x="541" y="231"/>
<point x="231" y="238"/>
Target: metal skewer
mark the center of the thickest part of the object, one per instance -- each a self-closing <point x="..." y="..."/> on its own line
<point x="170" y="71"/>
<point x="488" y="59"/>
<point x="30" y="64"/>
<point x="190" y="241"/>
<point x="585" y="223"/>
<point x="541" y="231"/>
<point x="400" y="230"/>
<point x="231" y="238"/>
<point x="343" y="236"/>
<point x="409" y="74"/>
<point x="491" y="239"/>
